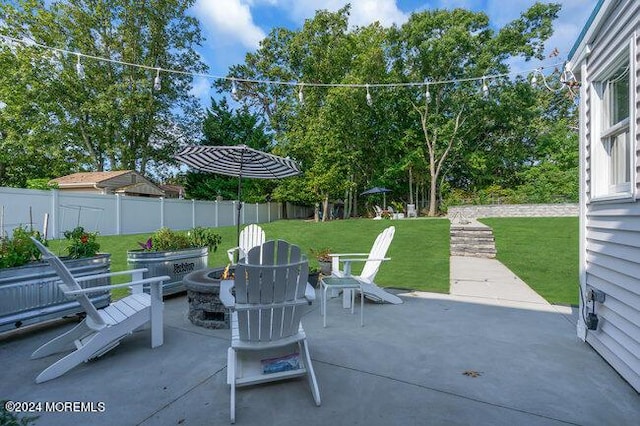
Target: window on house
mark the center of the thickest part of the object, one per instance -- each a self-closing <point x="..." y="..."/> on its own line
<point x="614" y="134"/>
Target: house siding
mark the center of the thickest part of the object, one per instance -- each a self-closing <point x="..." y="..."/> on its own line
<point x="610" y="243"/>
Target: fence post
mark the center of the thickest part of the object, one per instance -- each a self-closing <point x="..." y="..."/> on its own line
<point x="215" y="206"/>
<point x="55" y="212"/>
<point x="258" y="213"/>
<point x="193" y="213"/>
<point x="161" y="212"/>
<point x="118" y="215"/>
<point x="268" y="211"/>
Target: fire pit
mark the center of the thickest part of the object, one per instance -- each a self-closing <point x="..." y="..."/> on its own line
<point x="203" y="294"/>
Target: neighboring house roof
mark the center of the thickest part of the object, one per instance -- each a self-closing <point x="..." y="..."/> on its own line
<point x="87" y="178"/>
<point x="121" y="181"/>
<point x="178" y="190"/>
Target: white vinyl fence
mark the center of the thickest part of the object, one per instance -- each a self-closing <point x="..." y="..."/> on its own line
<point x="118" y="214"/>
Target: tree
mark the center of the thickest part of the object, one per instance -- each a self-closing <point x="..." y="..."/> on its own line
<point x="223" y="126"/>
<point x="112" y="117"/>
<point x="442" y="45"/>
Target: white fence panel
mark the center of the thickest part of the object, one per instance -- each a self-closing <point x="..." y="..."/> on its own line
<point x="140" y="215"/>
<point x="118" y="214"/>
<point x="226" y="213"/>
<point x="263" y="213"/>
<point x="21" y="207"/>
<point x="205" y="214"/>
<point x="94" y="212"/>
<point x="178" y="214"/>
<point x="249" y="213"/>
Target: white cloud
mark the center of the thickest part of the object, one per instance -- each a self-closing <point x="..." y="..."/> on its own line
<point x="201" y="88"/>
<point x="363" y="12"/>
<point x="228" y="19"/>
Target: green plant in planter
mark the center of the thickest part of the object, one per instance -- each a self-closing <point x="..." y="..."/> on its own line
<point x="81" y="243"/>
<point x="164" y="239"/>
<point x="19" y="250"/>
<point x="322" y="254"/>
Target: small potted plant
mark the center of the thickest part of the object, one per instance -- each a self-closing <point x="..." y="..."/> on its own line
<point x="324" y="260"/>
<point x="175" y="254"/>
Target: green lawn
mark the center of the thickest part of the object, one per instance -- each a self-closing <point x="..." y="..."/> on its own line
<point x="419" y="251"/>
<point x="541" y="251"/>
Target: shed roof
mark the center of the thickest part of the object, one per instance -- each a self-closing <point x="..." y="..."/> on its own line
<point x="89" y="178"/>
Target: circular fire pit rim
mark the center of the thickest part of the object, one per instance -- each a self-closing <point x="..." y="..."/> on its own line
<point x="202" y="281"/>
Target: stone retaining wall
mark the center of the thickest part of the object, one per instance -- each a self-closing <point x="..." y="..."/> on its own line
<point x="513" y="210"/>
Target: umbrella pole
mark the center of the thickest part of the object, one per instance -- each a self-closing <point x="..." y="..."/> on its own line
<point x="238" y="213"/>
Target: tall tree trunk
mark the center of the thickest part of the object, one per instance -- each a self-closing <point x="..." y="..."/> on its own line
<point x="325" y="208"/>
<point x="410" y="186"/>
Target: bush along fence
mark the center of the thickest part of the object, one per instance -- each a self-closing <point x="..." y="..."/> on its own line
<point x="119" y="215"/>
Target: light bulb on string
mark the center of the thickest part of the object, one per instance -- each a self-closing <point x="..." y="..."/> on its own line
<point x="157" y="82"/>
<point x="369" y="98"/>
<point x="427" y="94"/>
<point x="301" y="95"/>
<point x="485" y="88"/>
<point x="534" y="80"/>
<point x="234" y="89"/>
<point x="79" y="67"/>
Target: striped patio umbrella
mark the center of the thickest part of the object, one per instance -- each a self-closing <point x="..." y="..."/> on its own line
<point x="239" y="161"/>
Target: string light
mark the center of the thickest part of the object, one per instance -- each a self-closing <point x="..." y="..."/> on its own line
<point x="427" y="94"/>
<point x="534" y="80"/>
<point x="568" y="79"/>
<point x="157" y="83"/>
<point x="234" y="89"/>
<point x="301" y="95"/>
<point x="79" y="68"/>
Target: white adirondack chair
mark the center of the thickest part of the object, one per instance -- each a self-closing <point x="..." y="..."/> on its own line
<point x="378" y="211"/>
<point x="271" y="296"/>
<point x="250" y="237"/>
<point x="411" y="210"/>
<point x="102" y="329"/>
<point x="372" y="260"/>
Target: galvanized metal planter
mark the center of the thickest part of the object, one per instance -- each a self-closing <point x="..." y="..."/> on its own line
<point x="176" y="264"/>
<point x="29" y="294"/>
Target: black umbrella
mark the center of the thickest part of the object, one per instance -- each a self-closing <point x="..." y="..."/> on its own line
<point x="240" y="161"/>
<point x="378" y="190"/>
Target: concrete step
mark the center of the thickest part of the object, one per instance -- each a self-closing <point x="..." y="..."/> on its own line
<point x="472" y="239"/>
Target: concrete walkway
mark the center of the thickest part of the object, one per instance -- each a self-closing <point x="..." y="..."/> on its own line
<point x="491" y="353"/>
<point x="487" y="281"/>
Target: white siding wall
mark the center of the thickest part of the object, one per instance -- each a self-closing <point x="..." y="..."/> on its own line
<point x="610" y="246"/>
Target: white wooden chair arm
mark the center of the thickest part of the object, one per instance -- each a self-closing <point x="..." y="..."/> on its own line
<point x="227" y="299"/>
<point x="348" y="254"/>
<point x="110" y="274"/>
<point x="111" y="287"/>
<point x="365" y="260"/>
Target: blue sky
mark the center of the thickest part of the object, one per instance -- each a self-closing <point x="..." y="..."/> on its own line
<point x="234" y="27"/>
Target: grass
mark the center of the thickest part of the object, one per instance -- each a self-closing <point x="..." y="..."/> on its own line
<point x="419" y="251"/>
<point x="541" y="251"/>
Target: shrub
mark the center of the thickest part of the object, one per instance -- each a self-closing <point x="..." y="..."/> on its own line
<point x="19" y="250"/>
<point x="81" y="243"/>
<point x="164" y="239"/>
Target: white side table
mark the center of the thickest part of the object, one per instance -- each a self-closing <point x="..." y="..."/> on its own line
<point x="345" y="283"/>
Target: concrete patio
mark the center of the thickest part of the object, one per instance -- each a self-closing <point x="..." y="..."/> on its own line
<point x="406" y="366"/>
